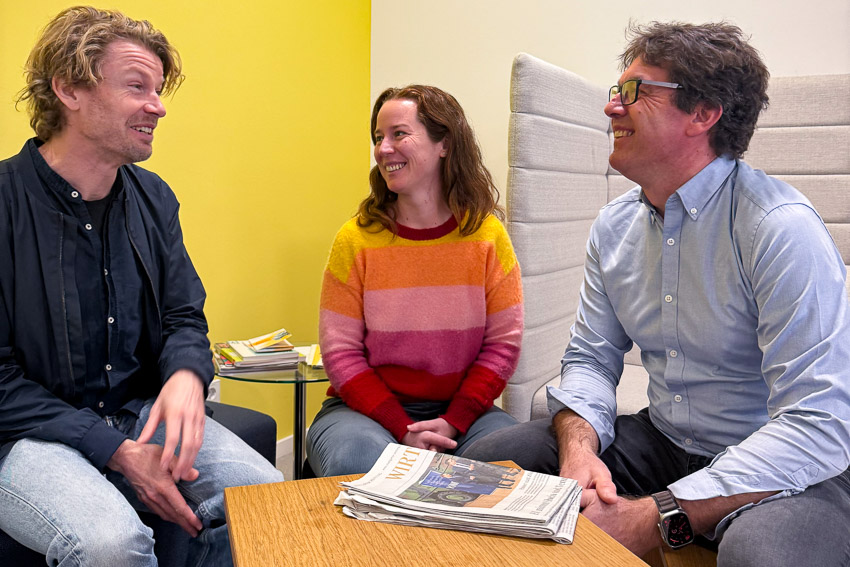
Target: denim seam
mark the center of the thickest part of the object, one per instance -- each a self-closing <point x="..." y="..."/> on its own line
<point x="73" y="546"/>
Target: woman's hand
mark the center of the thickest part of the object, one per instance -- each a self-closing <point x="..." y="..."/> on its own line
<point x="432" y="434"/>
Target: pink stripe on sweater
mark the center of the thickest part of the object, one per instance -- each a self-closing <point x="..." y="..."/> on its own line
<point x="436" y="352"/>
<point x="341" y="340"/>
<point x="501" y="351"/>
<point x="424" y="308"/>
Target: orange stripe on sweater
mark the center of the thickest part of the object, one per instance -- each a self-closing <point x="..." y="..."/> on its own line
<point x="412" y="266"/>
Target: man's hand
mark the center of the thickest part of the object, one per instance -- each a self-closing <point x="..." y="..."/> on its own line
<point x="592" y="475"/>
<point x="577" y="448"/>
<point x="632" y="522"/>
<point x="180" y="405"/>
<point x="432" y="434"/>
<point x="139" y="463"/>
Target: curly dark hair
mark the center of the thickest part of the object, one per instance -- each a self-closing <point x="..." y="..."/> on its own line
<point x="72" y="48"/>
<point x="468" y="187"/>
<point x="715" y="65"/>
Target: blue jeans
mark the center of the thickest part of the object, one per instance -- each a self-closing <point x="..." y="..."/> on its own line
<point x="54" y="501"/>
<point x="344" y="441"/>
<point x="809" y="528"/>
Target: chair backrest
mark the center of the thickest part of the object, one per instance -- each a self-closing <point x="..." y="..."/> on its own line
<point x="559" y="178"/>
<point x="557" y="182"/>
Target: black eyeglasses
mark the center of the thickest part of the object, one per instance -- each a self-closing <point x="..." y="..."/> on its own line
<point x="629" y="90"/>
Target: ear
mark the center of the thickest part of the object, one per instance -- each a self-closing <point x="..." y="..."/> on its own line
<point x="444" y="150"/>
<point x="703" y="118"/>
<point x="68" y="94"/>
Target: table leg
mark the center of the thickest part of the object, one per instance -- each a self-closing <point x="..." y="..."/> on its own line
<point x="299" y="429"/>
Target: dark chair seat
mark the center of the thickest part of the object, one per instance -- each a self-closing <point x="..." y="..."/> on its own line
<point x="257" y="429"/>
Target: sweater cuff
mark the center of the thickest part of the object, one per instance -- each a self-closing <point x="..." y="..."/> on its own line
<point x="392" y="416"/>
<point x="463" y="412"/>
<point x="100" y="443"/>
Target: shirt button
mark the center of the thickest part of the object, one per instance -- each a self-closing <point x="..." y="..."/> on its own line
<point x="88" y="226"/>
<point x="105" y="272"/>
<point x="100" y="404"/>
<point x="74" y="194"/>
<point x="674" y="353"/>
<point x="677" y="398"/>
<point x="689" y="441"/>
<point x="693" y="211"/>
<point x="108" y="367"/>
<point x="668" y="298"/>
<point x="670" y="242"/>
<point x="111" y="320"/>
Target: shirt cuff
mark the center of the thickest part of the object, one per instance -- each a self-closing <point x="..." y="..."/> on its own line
<point x="558" y="399"/>
<point x="100" y="443"/>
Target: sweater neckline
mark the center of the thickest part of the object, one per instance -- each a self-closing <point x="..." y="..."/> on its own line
<point x="427" y="233"/>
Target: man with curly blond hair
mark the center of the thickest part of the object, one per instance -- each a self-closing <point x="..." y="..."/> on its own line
<point x="104" y="360"/>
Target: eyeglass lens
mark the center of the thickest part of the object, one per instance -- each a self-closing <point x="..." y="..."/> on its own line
<point x="627" y="92"/>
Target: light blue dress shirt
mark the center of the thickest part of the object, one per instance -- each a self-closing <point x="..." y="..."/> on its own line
<point x="737" y="301"/>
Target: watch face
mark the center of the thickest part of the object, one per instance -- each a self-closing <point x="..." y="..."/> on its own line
<point x="678" y="530"/>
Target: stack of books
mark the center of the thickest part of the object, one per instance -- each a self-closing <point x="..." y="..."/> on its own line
<point x="265" y="353"/>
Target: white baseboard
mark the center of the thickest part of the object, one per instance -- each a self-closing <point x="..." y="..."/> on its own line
<point x="283" y="457"/>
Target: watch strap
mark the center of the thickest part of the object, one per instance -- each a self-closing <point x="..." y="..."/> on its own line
<point x="666" y="502"/>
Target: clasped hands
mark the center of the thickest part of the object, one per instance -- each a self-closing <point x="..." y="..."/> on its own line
<point x="431" y="434"/>
<point x="631" y="521"/>
<point x="154" y="471"/>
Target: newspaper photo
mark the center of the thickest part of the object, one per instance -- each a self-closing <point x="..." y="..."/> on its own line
<point x="423" y="488"/>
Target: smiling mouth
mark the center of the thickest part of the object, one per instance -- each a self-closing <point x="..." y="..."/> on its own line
<point x="394" y="167"/>
<point x="143" y="129"/>
<point x="622" y="133"/>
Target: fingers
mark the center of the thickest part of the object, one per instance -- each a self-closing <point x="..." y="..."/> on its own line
<point x="588" y="496"/>
<point x="150" y="427"/>
<point x="420" y="426"/>
<point x="439" y="442"/>
<point x="607" y="491"/>
<point x="191" y="440"/>
<point x="168" y="504"/>
<point x="172" y="438"/>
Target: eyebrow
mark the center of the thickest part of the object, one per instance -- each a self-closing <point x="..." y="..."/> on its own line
<point x="394" y="126"/>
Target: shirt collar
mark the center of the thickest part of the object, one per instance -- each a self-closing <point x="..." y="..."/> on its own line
<point x="57" y="185"/>
<point x="700" y="188"/>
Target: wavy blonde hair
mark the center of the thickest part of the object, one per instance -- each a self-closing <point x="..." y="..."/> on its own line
<point x="468" y="187"/>
<point x="72" y="48"/>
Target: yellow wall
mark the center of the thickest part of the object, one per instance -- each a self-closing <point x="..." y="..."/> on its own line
<point x="266" y="145"/>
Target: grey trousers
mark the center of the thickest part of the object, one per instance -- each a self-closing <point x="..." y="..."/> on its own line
<point x="808" y="529"/>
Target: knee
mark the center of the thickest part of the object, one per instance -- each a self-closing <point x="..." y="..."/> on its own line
<point x="500" y="445"/>
<point x="351" y="458"/>
<point x="244" y="472"/>
<point x="106" y="546"/>
<point x="754" y="548"/>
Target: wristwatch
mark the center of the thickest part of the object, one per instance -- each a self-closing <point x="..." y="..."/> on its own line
<point x="674" y="524"/>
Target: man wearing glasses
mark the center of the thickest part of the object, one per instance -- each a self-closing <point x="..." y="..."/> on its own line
<point x="732" y="287"/>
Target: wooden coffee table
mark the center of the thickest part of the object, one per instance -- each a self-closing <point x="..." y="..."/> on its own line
<point x="296" y="523"/>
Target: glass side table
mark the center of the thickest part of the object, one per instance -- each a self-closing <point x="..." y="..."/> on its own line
<point x="299" y="377"/>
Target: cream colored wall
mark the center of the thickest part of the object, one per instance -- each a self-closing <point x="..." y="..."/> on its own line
<point x="266" y="145"/>
<point x="466" y="46"/>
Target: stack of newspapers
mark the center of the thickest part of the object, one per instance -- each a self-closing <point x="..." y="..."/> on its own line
<point x="416" y="487"/>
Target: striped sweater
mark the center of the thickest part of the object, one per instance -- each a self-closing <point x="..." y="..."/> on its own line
<point x="427" y="315"/>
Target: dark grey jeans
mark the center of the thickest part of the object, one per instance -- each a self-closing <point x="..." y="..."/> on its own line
<point x="811" y="528"/>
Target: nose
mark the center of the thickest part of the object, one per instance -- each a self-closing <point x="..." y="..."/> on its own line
<point x="384" y="147"/>
<point x="155" y="106"/>
<point x="614" y="107"/>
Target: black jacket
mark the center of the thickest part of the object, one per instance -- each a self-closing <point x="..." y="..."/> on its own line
<point x="42" y="363"/>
